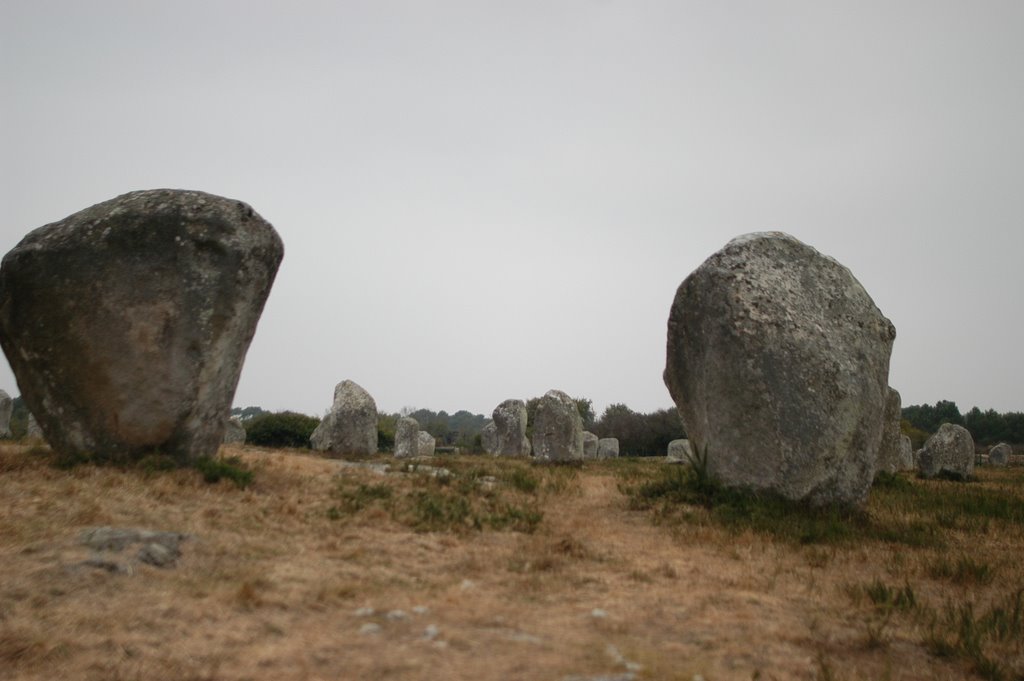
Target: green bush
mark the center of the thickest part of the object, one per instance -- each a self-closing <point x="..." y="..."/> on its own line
<point x="280" y="429"/>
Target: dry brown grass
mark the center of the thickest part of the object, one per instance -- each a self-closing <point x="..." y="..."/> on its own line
<point x="276" y="585"/>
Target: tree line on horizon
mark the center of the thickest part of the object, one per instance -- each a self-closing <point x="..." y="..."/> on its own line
<point x="639" y="434"/>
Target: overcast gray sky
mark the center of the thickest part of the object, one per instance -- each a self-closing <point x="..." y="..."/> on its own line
<point x="484" y="200"/>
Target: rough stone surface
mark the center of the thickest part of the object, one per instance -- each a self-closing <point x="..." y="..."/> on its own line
<point x="950" y="451"/>
<point x="906" y="454"/>
<point x="608" y="448"/>
<point x="489" y="437"/>
<point x="426" y="444"/>
<point x="6" y="408"/>
<point x="890" y="446"/>
<point x="126" y="324"/>
<point x="778" y="361"/>
<point x="234" y="431"/>
<point x="407" y="437"/>
<point x="999" y="455"/>
<point x="509" y="420"/>
<point x="350" y="426"/>
<point x="590" y="445"/>
<point x="557" y="429"/>
<point x="679" y="451"/>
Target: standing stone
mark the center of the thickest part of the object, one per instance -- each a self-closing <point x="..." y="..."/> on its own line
<point x="999" y="455"/>
<point x="489" y="437"/>
<point x="425" y="445"/>
<point x="679" y="452"/>
<point x="510" y="429"/>
<point x="778" y="361"/>
<point x="6" y="408"/>
<point x="350" y="427"/>
<point x="890" y="446"/>
<point x="126" y="324"/>
<point x="950" y="451"/>
<point x="33" y="432"/>
<point x="407" y="437"/>
<point x="608" y="448"/>
<point x="906" y="454"/>
<point x="557" y="429"/>
<point x="234" y="431"/>
<point x="590" y="445"/>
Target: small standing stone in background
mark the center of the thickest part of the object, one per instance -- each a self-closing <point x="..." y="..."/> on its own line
<point x="407" y="435"/>
<point x="426" y="444"/>
<point x="590" y="445"/>
<point x="950" y="451"/>
<point x="489" y="438"/>
<point x="557" y="429"/>
<point x="6" y="408"/>
<point x="509" y="419"/>
<point x="351" y="425"/>
<point x="679" y="452"/>
<point x="608" y="448"/>
<point x="999" y="455"/>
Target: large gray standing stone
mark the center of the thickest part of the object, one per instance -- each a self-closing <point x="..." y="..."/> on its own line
<point x="778" y="361"/>
<point x="679" y="452"/>
<point x="890" y="446"/>
<point x="234" y="431"/>
<point x="510" y="426"/>
<point x="999" y="455"/>
<point x="6" y="408"/>
<point x="489" y="437"/>
<point x="425" y="445"/>
<point x="608" y="448"/>
<point x="126" y="324"/>
<point x="557" y="429"/>
<point x="950" y="451"/>
<point x="590" y="445"/>
<point x="350" y="427"/>
<point x="407" y="438"/>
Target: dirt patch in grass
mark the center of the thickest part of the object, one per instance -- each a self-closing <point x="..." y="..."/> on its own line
<point x="499" y="570"/>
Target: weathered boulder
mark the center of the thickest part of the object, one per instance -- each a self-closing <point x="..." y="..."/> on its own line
<point x="890" y="446"/>
<point x="590" y="445"/>
<point x="6" y="408"/>
<point x="949" y="452"/>
<point x="425" y="445"/>
<point x="679" y="452"/>
<point x="608" y="448"/>
<point x="999" y="455"/>
<point x="126" y="324"/>
<point x="510" y="425"/>
<point x="350" y="426"/>
<point x="407" y="438"/>
<point x="906" y="454"/>
<point x="489" y="437"/>
<point x="557" y="429"/>
<point x="234" y="431"/>
<point x="778" y="361"/>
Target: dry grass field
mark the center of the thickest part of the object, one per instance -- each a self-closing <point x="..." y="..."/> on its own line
<point x="501" y="570"/>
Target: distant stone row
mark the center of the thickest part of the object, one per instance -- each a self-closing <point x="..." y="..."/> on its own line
<point x="350" y="427"/>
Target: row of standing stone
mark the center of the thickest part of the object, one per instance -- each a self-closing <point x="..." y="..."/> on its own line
<point x="350" y="428"/>
<point x="126" y="325"/>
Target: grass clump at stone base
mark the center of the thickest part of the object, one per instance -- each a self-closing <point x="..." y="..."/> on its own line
<point x="910" y="512"/>
<point x="456" y="495"/>
<point x="212" y="468"/>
